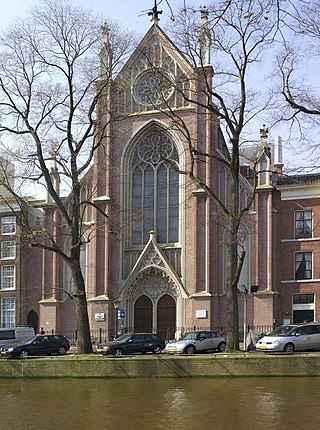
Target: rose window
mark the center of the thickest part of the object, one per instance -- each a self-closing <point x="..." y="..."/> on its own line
<point x="152" y="87"/>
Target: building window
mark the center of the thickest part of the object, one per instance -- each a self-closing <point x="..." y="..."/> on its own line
<point x="8" y="225"/>
<point x="155" y="189"/>
<point x="303" y="307"/>
<point x="303" y="265"/>
<point x="303" y="299"/>
<point x="8" y="249"/>
<point x="8" y="312"/>
<point x="303" y="224"/>
<point x="8" y="277"/>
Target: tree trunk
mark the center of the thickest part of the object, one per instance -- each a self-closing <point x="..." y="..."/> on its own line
<point x="83" y="326"/>
<point x="232" y="293"/>
<point x="232" y="247"/>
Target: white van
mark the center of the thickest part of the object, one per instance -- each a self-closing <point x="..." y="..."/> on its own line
<point x="12" y="334"/>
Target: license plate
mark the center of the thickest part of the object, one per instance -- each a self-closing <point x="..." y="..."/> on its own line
<point x="262" y="347"/>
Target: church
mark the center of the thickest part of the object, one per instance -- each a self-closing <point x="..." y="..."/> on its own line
<point x="155" y="255"/>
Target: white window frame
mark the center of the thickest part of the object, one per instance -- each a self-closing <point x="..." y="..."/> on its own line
<point x="8" y="312"/>
<point x="304" y="221"/>
<point x="8" y="282"/>
<point x="8" y="225"/>
<point x="8" y="250"/>
<point x="297" y="263"/>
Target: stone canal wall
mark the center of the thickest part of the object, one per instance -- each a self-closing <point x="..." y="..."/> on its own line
<point x="162" y="366"/>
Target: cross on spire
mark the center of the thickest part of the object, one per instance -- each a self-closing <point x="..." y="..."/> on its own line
<point x="154" y="13"/>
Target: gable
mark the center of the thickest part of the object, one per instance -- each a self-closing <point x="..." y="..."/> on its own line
<point x="154" y="78"/>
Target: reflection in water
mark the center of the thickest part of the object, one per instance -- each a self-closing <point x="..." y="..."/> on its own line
<point x="219" y="404"/>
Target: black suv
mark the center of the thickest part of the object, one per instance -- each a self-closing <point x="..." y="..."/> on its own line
<point x="133" y="343"/>
<point x="36" y="345"/>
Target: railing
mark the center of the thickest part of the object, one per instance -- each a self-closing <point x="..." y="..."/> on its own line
<point x="168" y="333"/>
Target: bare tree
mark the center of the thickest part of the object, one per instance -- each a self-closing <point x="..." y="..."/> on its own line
<point x="298" y="63"/>
<point x="235" y="35"/>
<point x="50" y="84"/>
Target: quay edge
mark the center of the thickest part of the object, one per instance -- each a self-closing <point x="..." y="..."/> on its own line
<point x="162" y="366"/>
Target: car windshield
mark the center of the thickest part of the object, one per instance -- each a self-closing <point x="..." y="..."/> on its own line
<point x="123" y="338"/>
<point x="190" y="336"/>
<point x="283" y="330"/>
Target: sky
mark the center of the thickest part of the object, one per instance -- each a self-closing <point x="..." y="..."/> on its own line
<point x="132" y="14"/>
<point x="126" y="12"/>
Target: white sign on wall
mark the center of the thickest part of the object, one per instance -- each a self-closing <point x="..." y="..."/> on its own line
<point x="100" y="316"/>
<point x="201" y="313"/>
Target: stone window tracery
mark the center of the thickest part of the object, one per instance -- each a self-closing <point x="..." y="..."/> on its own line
<point x="152" y="87"/>
<point x="154" y="189"/>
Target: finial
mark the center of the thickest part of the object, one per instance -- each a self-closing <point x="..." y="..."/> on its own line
<point x="154" y="13"/>
<point x="204" y="38"/>
<point x="204" y="13"/>
<point x="264" y="132"/>
<point x="105" y="52"/>
<point x="105" y="29"/>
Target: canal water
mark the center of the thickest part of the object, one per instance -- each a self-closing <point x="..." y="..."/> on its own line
<point x="222" y="403"/>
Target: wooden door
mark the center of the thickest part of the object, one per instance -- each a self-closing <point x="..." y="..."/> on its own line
<point x="166" y="317"/>
<point x="143" y="315"/>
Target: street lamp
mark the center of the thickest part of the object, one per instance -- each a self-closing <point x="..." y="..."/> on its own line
<point x="245" y="292"/>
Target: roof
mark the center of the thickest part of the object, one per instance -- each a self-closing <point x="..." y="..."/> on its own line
<point x="298" y="179"/>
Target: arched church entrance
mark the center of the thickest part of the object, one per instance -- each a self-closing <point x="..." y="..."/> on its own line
<point x="143" y="314"/>
<point x="153" y="297"/>
<point x="166" y="317"/>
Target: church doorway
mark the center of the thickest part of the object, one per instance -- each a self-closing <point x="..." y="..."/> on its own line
<point x="143" y="315"/>
<point x="166" y="317"/>
<point x="33" y="320"/>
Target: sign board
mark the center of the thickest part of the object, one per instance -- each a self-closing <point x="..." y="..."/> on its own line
<point x="201" y="313"/>
<point x="121" y="314"/>
<point x="100" y="316"/>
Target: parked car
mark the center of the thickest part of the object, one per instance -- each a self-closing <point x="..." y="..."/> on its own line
<point x="133" y="343"/>
<point x="36" y="345"/>
<point x="197" y="341"/>
<point x="290" y="338"/>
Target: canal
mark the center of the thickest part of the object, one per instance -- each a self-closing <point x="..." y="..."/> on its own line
<point x="218" y="403"/>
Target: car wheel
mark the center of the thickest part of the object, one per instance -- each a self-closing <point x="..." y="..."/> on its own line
<point x="221" y="346"/>
<point x="156" y="349"/>
<point x="289" y="347"/>
<point x="190" y="349"/>
<point x="117" y="352"/>
<point x="62" y="350"/>
<point x="24" y="353"/>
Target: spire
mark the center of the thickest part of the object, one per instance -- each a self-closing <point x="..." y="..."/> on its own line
<point x="154" y="13"/>
<point x="55" y="176"/>
<point x="264" y="160"/>
<point x="105" y="53"/>
<point x="204" y="38"/>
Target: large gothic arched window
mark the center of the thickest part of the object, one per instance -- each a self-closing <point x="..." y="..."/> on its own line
<point x="155" y="188"/>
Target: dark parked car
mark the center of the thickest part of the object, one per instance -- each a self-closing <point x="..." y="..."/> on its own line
<point x="37" y="345"/>
<point x="132" y="344"/>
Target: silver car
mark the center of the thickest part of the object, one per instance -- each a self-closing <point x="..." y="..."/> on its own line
<point x="290" y="338"/>
<point x="197" y="341"/>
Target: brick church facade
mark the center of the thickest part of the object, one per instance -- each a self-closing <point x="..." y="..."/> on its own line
<point x="155" y="255"/>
